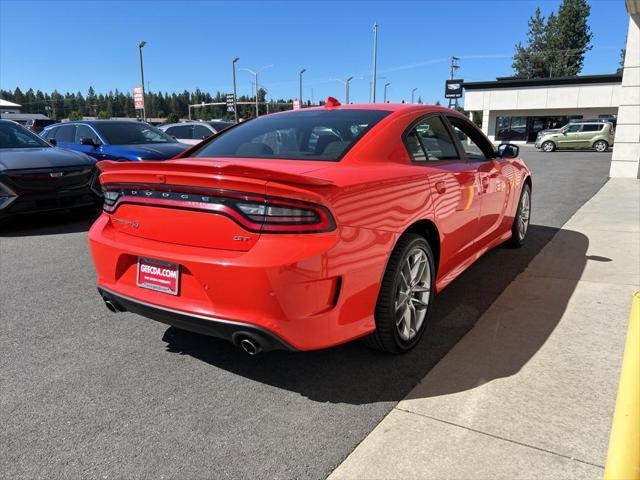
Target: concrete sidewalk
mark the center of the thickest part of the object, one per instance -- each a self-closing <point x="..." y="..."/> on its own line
<point x="529" y="392"/>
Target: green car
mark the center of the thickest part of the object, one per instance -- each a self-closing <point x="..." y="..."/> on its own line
<point x="596" y="135"/>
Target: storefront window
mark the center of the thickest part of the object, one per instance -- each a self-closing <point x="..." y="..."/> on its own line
<point x="511" y="128"/>
<point x="527" y="128"/>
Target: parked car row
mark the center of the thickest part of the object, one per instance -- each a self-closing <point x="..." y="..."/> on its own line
<point x="114" y="140"/>
<point x="57" y="170"/>
<point x="36" y="176"/>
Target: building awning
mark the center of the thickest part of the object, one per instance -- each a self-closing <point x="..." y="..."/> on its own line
<point x="513" y="82"/>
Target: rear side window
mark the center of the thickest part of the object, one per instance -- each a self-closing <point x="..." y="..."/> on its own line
<point x="180" y="131"/>
<point x="63" y="134"/>
<point x="300" y="135"/>
<point x="200" y="132"/>
<point x="592" y="127"/>
<point x="429" y="140"/>
<point x="82" y="131"/>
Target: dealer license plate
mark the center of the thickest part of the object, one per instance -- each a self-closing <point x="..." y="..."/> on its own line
<point x="158" y="275"/>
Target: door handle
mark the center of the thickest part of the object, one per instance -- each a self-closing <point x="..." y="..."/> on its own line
<point x="440" y="187"/>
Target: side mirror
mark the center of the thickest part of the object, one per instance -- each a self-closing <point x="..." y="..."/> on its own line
<point x="508" y="150"/>
<point x="89" y="141"/>
<point x="52" y="141"/>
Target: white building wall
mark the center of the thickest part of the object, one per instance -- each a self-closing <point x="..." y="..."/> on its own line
<point x="588" y="100"/>
<point x="625" y="161"/>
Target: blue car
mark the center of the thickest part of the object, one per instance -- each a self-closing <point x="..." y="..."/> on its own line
<point x="118" y="140"/>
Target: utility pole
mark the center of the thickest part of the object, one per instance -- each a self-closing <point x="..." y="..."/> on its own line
<point x="375" y="62"/>
<point x="413" y="92"/>
<point x="454" y="66"/>
<point x="144" y="100"/>
<point x="301" y="72"/>
<point x="235" y="99"/>
<point x="385" y="91"/>
<point x="346" y="93"/>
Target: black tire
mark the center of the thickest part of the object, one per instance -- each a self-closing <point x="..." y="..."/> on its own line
<point x="550" y="146"/>
<point x="601" y="146"/>
<point x="386" y="336"/>
<point x="517" y="239"/>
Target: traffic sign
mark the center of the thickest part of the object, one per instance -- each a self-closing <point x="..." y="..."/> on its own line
<point x="230" y="103"/>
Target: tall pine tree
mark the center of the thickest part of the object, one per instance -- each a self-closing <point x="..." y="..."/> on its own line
<point x="555" y="48"/>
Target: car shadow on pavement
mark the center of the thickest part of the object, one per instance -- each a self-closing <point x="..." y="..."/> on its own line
<point x="55" y="223"/>
<point x="353" y="374"/>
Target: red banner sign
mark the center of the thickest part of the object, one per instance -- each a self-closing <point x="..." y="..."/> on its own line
<point x="138" y="97"/>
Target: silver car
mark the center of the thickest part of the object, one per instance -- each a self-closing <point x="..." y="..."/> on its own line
<point x="193" y="132"/>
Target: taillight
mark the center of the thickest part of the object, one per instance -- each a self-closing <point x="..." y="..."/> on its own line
<point x="256" y="213"/>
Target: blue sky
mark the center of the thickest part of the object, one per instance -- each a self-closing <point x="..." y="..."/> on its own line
<point x="69" y="45"/>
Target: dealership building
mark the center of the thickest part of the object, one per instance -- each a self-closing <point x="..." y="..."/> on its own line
<point x="516" y="109"/>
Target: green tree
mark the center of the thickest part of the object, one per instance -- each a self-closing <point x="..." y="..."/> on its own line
<point x="75" y="115"/>
<point x="555" y="48"/>
<point x="623" y="53"/>
<point x="102" y="115"/>
<point x="569" y="38"/>
<point x="173" y="117"/>
<point x="529" y="61"/>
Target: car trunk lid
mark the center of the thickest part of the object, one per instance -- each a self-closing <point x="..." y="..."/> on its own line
<point x="204" y="203"/>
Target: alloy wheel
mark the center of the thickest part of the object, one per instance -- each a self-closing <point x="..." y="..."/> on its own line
<point x="600" y="146"/>
<point x="412" y="296"/>
<point x="547" y="146"/>
<point x="525" y="212"/>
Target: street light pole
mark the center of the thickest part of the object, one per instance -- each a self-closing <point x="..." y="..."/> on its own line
<point x="385" y="91"/>
<point x="141" y="45"/>
<point x="257" y="108"/>
<point x="375" y="62"/>
<point x="235" y="100"/>
<point x="413" y="93"/>
<point x="255" y="77"/>
<point x="301" y="72"/>
<point x="346" y="93"/>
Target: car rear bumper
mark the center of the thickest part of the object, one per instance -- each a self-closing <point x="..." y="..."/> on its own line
<point x="307" y="291"/>
<point x="216" y="327"/>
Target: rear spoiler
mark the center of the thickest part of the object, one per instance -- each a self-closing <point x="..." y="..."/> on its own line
<point x="211" y="167"/>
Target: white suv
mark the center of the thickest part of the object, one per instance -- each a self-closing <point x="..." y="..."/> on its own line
<point x="193" y="132"/>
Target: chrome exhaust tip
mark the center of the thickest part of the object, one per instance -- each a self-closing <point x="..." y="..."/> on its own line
<point x="250" y="347"/>
<point x="112" y="308"/>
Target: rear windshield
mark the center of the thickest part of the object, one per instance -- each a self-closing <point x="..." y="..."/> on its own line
<point x="133" y="133"/>
<point x="301" y="135"/>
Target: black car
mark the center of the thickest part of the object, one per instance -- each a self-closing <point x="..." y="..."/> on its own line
<point x="37" y="177"/>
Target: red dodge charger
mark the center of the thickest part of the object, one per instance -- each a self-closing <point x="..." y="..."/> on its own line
<point x="306" y="229"/>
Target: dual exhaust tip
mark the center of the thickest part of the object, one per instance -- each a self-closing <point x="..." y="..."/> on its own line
<point x="248" y="344"/>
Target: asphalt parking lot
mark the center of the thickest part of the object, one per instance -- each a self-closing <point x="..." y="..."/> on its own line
<point x="84" y="392"/>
